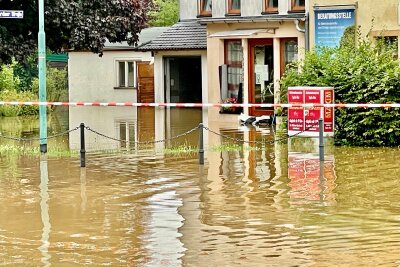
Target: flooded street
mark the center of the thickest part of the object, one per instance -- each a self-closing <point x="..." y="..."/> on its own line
<point x="269" y="204"/>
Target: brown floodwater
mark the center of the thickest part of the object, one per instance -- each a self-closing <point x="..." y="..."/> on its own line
<point x="269" y="204"/>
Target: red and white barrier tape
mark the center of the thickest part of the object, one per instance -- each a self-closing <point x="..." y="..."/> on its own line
<point x="191" y="105"/>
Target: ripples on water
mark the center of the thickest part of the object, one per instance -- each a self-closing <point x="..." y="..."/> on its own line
<point x="244" y="208"/>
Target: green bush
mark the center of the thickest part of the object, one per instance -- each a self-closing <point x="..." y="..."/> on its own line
<point x="12" y="89"/>
<point x="26" y="72"/>
<point x="366" y="73"/>
<point x="56" y="85"/>
<point x="17" y="110"/>
<point x="8" y="82"/>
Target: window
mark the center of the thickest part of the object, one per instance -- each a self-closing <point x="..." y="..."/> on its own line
<point x="233" y="6"/>
<point x="389" y="43"/>
<point x="298" y="5"/>
<point x="271" y="6"/>
<point x="234" y="60"/>
<point x="205" y="7"/>
<point x="126" y="74"/>
<point x="126" y="134"/>
<point x="289" y="52"/>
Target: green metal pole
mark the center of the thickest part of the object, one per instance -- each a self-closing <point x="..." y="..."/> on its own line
<point x="42" y="79"/>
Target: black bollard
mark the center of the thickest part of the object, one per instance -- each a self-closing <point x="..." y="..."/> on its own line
<point x="321" y="139"/>
<point x="201" y="144"/>
<point x="83" y="151"/>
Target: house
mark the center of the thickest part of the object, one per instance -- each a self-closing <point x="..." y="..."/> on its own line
<point x="224" y="49"/>
<point x="330" y="18"/>
<point x="180" y="60"/>
<point x="249" y="44"/>
<point x="121" y="74"/>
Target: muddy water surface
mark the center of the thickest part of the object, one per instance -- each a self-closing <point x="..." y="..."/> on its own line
<point x="275" y="206"/>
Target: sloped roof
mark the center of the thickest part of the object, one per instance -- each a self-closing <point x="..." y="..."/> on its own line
<point x="182" y="35"/>
<point x="145" y="36"/>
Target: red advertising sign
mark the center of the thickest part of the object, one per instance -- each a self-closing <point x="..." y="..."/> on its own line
<point x="296" y="97"/>
<point x="312" y="96"/>
<point x="306" y="119"/>
<point x="328" y="112"/>
<point x="311" y="117"/>
<point x="296" y="119"/>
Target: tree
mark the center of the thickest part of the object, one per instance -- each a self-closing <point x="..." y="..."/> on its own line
<point x="79" y="25"/>
<point x="165" y="13"/>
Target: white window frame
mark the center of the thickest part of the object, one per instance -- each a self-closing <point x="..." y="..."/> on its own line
<point x="126" y="61"/>
<point x="126" y="140"/>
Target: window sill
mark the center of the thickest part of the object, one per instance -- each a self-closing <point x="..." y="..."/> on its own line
<point x="124" y="88"/>
<point x="232" y="15"/>
<point x="296" y="11"/>
<point x="204" y="15"/>
<point x="269" y="12"/>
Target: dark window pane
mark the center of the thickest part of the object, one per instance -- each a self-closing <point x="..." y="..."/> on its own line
<point x="273" y="3"/>
<point x="290" y="51"/>
<point x="131" y="75"/>
<point x="234" y="59"/>
<point x="235" y="4"/>
<point x="206" y="5"/>
<point x="300" y="2"/>
<point x="121" y="74"/>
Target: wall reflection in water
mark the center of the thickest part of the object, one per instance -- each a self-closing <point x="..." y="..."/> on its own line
<point x="130" y="125"/>
<point x="243" y="206"/>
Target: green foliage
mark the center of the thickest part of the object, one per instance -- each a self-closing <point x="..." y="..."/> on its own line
<point x="26" y="71"/>
<point x="366" y="73"/>
<point x="17" y="110"/>
<point x="8" y="92"/>
<point x="165" y="13"/>
<point x="56" y="84"/>
<point x="8" y="82"/>
<point x="80" y="25"/>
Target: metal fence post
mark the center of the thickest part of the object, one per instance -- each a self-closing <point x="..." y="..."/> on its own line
<point x="321" y="139"/>
<point x="83" y="151"/>
<point x="201" y="144"/>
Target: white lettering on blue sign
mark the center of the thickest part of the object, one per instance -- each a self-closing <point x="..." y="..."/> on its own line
<point x="337" y="15"/>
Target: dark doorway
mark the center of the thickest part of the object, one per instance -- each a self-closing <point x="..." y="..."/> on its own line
<point x="183" y="80"/>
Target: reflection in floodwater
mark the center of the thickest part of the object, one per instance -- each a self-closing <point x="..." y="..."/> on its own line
<point x="83" y="190"/>
<point x="132" y="125"/>
<point x="44" y="212"/>
<point x="259" y="204"/>
<point x="311" y="179"/>
<point x="165" y="248"/>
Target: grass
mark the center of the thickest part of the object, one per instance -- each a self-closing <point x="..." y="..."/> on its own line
<point x="233" y="147"/>
<point x="18" y="150"/>
<point x="8" y="149"/>
<point x="184" y="149"/>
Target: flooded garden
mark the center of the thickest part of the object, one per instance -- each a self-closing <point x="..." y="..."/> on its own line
<point x="144" y="200"/>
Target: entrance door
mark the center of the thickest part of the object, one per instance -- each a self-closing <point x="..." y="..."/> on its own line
<point x="183" y="79"/>
<point x="145" y="82"/>
<point x="261" y="74"/>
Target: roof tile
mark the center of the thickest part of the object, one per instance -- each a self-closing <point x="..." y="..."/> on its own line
<point x="182" y="35"/>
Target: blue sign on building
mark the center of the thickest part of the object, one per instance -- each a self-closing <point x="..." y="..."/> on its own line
<point x="330" y="25"/>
